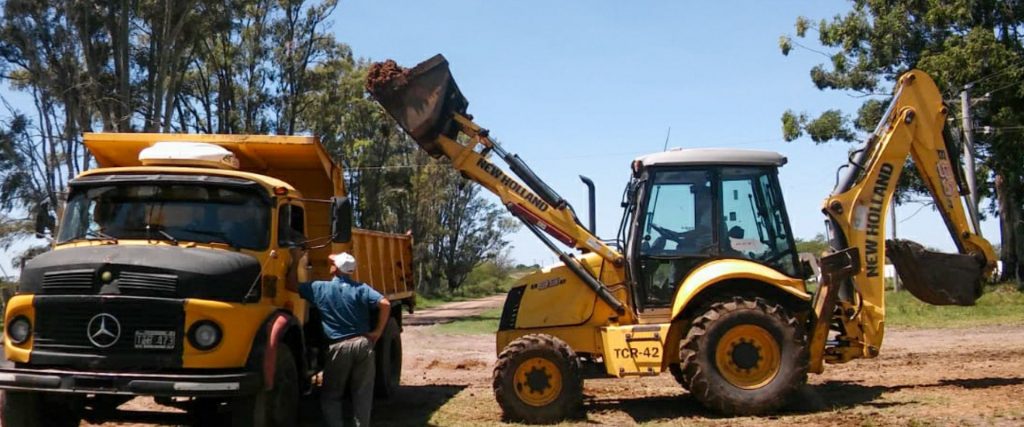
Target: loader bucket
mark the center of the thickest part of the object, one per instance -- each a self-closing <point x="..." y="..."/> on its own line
<point x="934" y="277"/>
<point x="422" y="99"/>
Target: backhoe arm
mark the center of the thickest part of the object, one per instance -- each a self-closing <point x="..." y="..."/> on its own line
<point x="427" y="103"/>
<point x="856" y="210"/>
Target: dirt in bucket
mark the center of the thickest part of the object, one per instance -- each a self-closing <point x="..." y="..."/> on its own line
<point x="386" y="76"/>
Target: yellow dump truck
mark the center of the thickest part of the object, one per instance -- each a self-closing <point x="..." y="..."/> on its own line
<point x="174" y="274"/>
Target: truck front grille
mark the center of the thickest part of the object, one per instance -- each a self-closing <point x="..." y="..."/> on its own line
<point x="69" y="282"/>
<point x="62" y="326"/>
<point x="148" y="284"/>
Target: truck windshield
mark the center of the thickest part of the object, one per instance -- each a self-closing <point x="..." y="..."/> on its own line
<point x="175" y="212"/>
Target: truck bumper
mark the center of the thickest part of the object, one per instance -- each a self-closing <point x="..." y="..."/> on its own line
<point x="79" y="382"/>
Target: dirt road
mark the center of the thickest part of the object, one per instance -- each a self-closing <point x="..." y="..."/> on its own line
<point x="923" y="377"/>
<point x="454" y="310"/>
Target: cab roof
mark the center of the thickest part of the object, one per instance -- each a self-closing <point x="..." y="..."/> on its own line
<point x="713" y="156"/>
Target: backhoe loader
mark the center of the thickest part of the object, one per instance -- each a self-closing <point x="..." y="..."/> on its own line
<point x="703" y="279"/>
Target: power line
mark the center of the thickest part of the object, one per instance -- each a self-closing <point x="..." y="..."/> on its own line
<point x="1010" y="66"/>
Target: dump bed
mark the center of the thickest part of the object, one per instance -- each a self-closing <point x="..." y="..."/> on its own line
<point x="385" y="260"/>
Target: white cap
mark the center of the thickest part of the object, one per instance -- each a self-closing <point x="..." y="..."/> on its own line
<point x="346" y="263"/>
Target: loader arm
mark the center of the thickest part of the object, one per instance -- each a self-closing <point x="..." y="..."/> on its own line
<point x="428" y="105"/>
<point x="854" y="300"/>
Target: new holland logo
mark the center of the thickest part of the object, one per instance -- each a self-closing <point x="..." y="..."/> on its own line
<point x="103" y="330"/>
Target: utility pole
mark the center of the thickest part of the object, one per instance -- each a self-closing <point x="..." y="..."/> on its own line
<point x="968" y="125"/>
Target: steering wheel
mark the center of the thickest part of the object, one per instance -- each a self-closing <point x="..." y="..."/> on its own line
<point x="668" y="234"/>
<point x="772" y="259"/>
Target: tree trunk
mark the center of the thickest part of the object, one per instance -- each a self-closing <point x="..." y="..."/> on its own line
<point x="1009" y="217"/>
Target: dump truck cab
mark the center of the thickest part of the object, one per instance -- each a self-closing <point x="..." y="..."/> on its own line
<point x="175" y="273"/>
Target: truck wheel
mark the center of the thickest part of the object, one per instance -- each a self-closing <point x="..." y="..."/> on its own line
<point x="277" y="407"/>
<point x="537" y="380"/>
<point x="388" y="361"/>
<point x="34" y="409"/>
<point x="744" y="356"/>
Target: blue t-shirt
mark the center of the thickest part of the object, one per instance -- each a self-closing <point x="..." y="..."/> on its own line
<point x="344" y="305"/>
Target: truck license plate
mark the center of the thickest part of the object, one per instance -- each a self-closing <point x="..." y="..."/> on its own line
<point x="154" y="339"/>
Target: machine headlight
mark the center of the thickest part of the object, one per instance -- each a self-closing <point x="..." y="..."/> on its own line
<point x="19" y="330"/>
<point x="204" y="335"/>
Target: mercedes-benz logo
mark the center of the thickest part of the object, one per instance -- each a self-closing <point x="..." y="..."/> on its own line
<point x="103" y="330"/>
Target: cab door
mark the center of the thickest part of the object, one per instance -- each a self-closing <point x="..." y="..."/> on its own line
<point x="675" y="231"/>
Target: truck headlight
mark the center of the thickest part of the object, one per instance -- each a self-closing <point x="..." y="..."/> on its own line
<point x="204" y="335"/>
<point x="19" y="330"/>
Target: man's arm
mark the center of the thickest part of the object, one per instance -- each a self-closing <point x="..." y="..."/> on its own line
<point x="384" y="311"/>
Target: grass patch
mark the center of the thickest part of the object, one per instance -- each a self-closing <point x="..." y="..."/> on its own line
<point x="430" y="301"/>
<point x="1000" y="305"/>
<point x="483" y="323"/>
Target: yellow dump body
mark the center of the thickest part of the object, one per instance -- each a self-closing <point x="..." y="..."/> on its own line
<point x="302" y="165"/>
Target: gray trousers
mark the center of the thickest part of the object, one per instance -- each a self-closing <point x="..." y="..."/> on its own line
<point x="350" y="367"/>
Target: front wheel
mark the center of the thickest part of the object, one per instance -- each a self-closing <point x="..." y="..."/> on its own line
<point x="388" y="361"/>
<point x="277" y="407"/>
<point x="537" y="380"/>
<point x="744" y="356"/>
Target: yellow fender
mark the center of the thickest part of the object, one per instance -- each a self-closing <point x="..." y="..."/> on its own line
<point x="718" y="271"/>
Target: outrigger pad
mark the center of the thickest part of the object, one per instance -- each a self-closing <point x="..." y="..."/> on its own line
<point x="934" y="277"/>
<point x="422" y="99"/>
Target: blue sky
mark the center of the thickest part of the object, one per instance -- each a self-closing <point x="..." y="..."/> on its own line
<point x="583" y="87"/>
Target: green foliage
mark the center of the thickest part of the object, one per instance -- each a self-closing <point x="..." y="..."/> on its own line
<point x="237" y="67"/>
<point x="958" y="42"/>
<point x="831" y="125"/>
<point x="814" y="246"/>
<point x="485" y="323"/>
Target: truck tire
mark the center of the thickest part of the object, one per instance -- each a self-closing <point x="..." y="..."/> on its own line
<point x="537" y="380"/>
<point x="388" y="361"/>
<point x="277" y="407"/>
<point x="744" y="356"/>
<point x="35" y="409"/>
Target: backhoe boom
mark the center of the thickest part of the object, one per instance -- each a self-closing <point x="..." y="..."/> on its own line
<point x="427" y="103"/>
<point x="913" y="125"/>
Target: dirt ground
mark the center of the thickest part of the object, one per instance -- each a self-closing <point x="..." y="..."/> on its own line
<point x="923" y="377"/>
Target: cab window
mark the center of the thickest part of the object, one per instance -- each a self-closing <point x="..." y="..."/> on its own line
<point x="291" y="230"/>
<point x="754" y="218"/>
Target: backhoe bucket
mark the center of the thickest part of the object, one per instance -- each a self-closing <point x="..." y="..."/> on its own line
<point x="422" y="99"/>
<point x="934" y="277"/>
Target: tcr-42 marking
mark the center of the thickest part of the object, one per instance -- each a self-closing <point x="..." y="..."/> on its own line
<point x="633" y="353"/>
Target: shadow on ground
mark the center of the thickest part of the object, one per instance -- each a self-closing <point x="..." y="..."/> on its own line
<point x="810" y="399"/>
<point x="413" y="406"/>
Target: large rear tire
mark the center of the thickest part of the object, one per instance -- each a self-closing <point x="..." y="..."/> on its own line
<point x="277" y="407"/>
<point x="677" y="373"/>
<point x="35" y="409"/>
<point x="537" y="380"/>
<point x="744" y="356"/>
<point x="388" y="361"/>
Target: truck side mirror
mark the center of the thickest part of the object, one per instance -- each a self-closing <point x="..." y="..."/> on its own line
<point x="341" y="219"/>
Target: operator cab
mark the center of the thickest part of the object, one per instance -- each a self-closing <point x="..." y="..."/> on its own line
<point x="688" y="207"/>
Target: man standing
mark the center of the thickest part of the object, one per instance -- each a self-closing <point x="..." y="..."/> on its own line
<point x="345" y="306"/>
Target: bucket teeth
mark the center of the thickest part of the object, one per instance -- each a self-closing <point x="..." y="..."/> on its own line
<point x="934" y="277"/>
